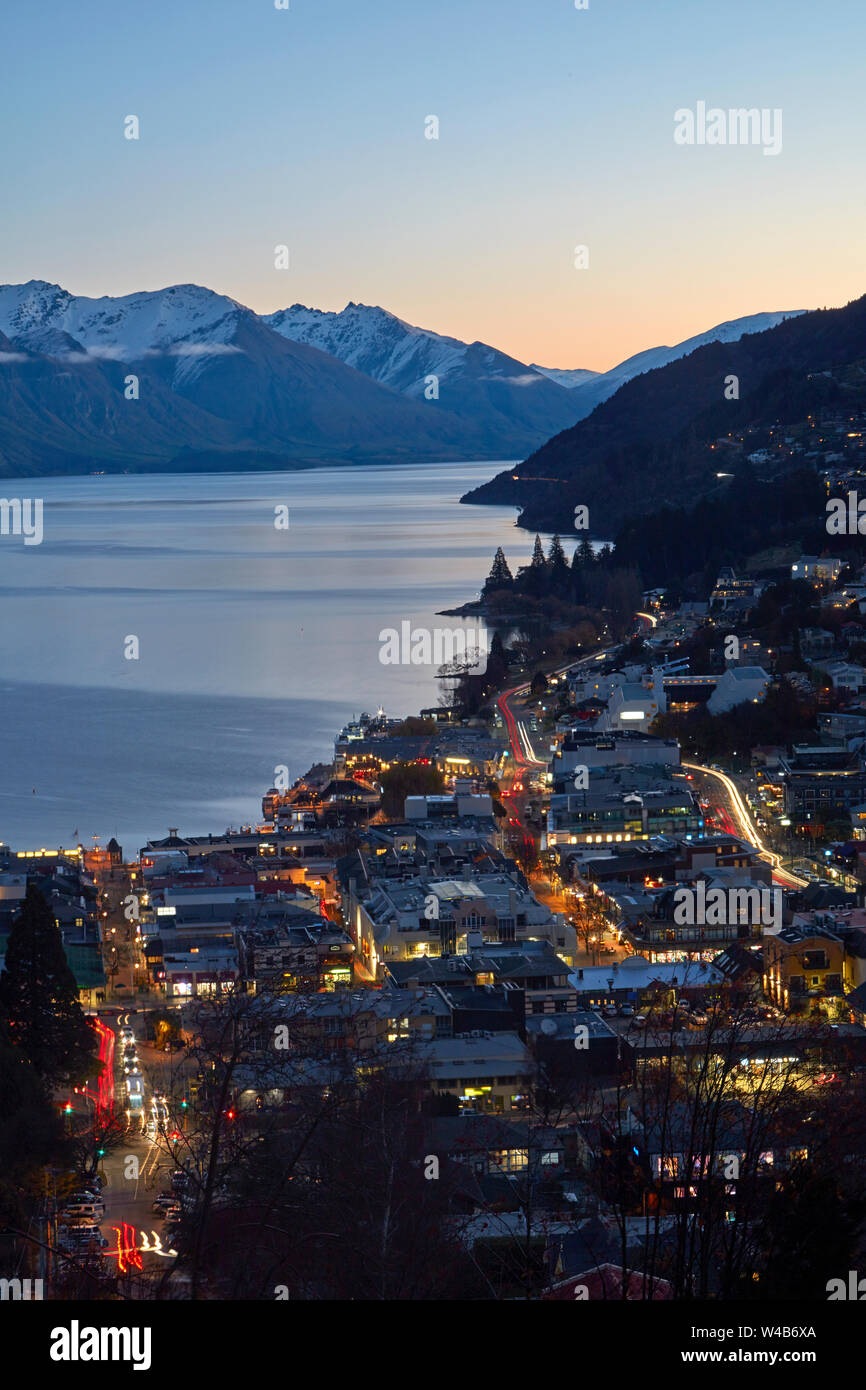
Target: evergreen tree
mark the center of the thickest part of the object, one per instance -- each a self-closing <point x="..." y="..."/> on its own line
<point x="31" y="1134"/>
<point x="39" y="1007"/>
<point x="586" y="552"/>
<point x="578" y="579"/>
<point x="558" y="568"/>
<point x="500" y="576"/>
<point x="535" y="575"/>
<point x="497" y="666"/>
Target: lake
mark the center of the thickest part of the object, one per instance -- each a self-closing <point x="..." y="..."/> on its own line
<point x="255" y="644"/>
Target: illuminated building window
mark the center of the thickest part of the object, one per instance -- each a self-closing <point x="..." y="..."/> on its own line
<point x="510" y="1160"/>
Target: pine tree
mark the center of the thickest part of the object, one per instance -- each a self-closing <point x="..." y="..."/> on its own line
<point x="586" y="552"/>
<point x="558" y="567"/>
<point x="497" y="665"/>
<point x="534" y="577"/>
<point x="500" y="576"/>
<point x="578" y="579"/>
<point x="39" y="1007"/>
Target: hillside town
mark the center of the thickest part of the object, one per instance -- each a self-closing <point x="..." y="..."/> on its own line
<point x="600" y="970"/>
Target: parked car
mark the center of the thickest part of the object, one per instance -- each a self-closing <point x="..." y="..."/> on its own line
<point x="639" y="1021"/>
<point x="84" y="1199"/>
<point x="74" y="1237"/>
<point x="609" y="1011"/>
<point x="626" y="1011"/>
<point x="82" y="1213"/>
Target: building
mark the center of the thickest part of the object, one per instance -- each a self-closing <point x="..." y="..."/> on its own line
<point x="617" y="748"/>
<point x="285" y="956"/>
<point x="640" y="982"/>
<point x="816" y="570"/>
<point x="490" y="1075"/>
<point x="403" y="903"/>
<point x="659" y="925"/>
<point x="531" y="967"/>
<point x="820" y="784"/>
<point x="803" y="968"/>
<point x="615" y="812"/>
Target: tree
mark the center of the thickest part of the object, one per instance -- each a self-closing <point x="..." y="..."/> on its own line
<point x="305" y="1161"/>
<point x="538" y="561"/>
<point x="497" y="665"/>
<point x="39" y="1004"/>
<point x="534" y="577"/>
<point x="558" y="568"/>
<point x="31" y="1134"/>
<point x="164" y="1027"/>
<point x="408" y="779"/>
<point x="500" y="576"/>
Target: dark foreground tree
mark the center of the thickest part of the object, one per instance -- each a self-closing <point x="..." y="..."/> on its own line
<point x="39" y="1006"/>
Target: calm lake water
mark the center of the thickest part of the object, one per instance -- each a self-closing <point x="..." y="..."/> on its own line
<point x="256" y="645"/>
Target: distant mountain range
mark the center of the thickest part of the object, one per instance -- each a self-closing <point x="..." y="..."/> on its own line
<point x="589" y="389"/>
<point x="651" y="444"/>
<point x="220" y="387"/>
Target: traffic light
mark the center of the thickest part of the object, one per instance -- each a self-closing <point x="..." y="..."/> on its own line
<point x="183" y="1104"/>
<point x="100" y="1153"/>
<point x="67" y="1109"/>
<point x="175" y="1136"/>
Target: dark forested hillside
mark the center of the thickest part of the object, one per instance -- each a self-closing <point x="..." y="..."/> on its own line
<point x="650" y="444"/>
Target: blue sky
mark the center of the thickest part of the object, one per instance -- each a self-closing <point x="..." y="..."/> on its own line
<point x="306" y="127"/>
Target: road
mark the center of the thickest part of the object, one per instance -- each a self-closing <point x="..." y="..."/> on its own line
<point x="139" y="1167"/>
<point x="733" y="805"/>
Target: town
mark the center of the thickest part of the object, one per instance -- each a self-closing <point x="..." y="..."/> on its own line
<point x="579" y="977"/>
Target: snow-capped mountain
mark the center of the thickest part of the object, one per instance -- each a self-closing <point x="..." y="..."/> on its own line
<point x="220" y="386"/>
<point x="184" y="322"/>
<point x="375" y="342"/>
<point x="251" y="388"/>
<point x="591" y="388"/>
<point x="477" y="382"/>
<point x="566" y="376"/>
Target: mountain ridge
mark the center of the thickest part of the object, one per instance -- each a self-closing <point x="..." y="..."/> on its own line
<point x="644" y="446"/>
<point x="299" y="386"/>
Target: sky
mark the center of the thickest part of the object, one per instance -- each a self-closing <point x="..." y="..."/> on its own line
<point x="306" y="128"/>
